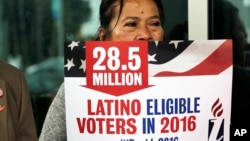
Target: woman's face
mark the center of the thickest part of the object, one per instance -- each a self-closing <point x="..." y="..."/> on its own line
<point x="139" y="20"/>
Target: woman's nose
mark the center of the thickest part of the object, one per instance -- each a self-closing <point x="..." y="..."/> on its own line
<point x="144" y="34"/>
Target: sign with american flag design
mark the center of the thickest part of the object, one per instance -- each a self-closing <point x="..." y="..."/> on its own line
<point x="148" y="90"/>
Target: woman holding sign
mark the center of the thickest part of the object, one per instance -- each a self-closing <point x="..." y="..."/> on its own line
<point x="120" y="20"/>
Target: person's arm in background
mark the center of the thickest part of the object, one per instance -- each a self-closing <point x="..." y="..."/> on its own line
<point x="26" y="121"/>
<point x="54" y="126"/>
<point x="17" y="119"/>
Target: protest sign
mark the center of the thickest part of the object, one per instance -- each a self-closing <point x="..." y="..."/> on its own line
<point x="151" y="91"/>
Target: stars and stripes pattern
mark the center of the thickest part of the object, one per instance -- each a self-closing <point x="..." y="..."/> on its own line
<point x="75" y="62"/>
<point x="165" y="58"/>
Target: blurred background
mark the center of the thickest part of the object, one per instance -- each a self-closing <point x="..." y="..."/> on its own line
<point x="32" y="34"/>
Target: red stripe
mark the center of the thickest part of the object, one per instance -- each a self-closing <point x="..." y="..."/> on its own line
<point x="216" y="63"/>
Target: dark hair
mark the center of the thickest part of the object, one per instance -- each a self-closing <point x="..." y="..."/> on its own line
<point x="228" y="25"/>
<point x="106" y="13"/>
